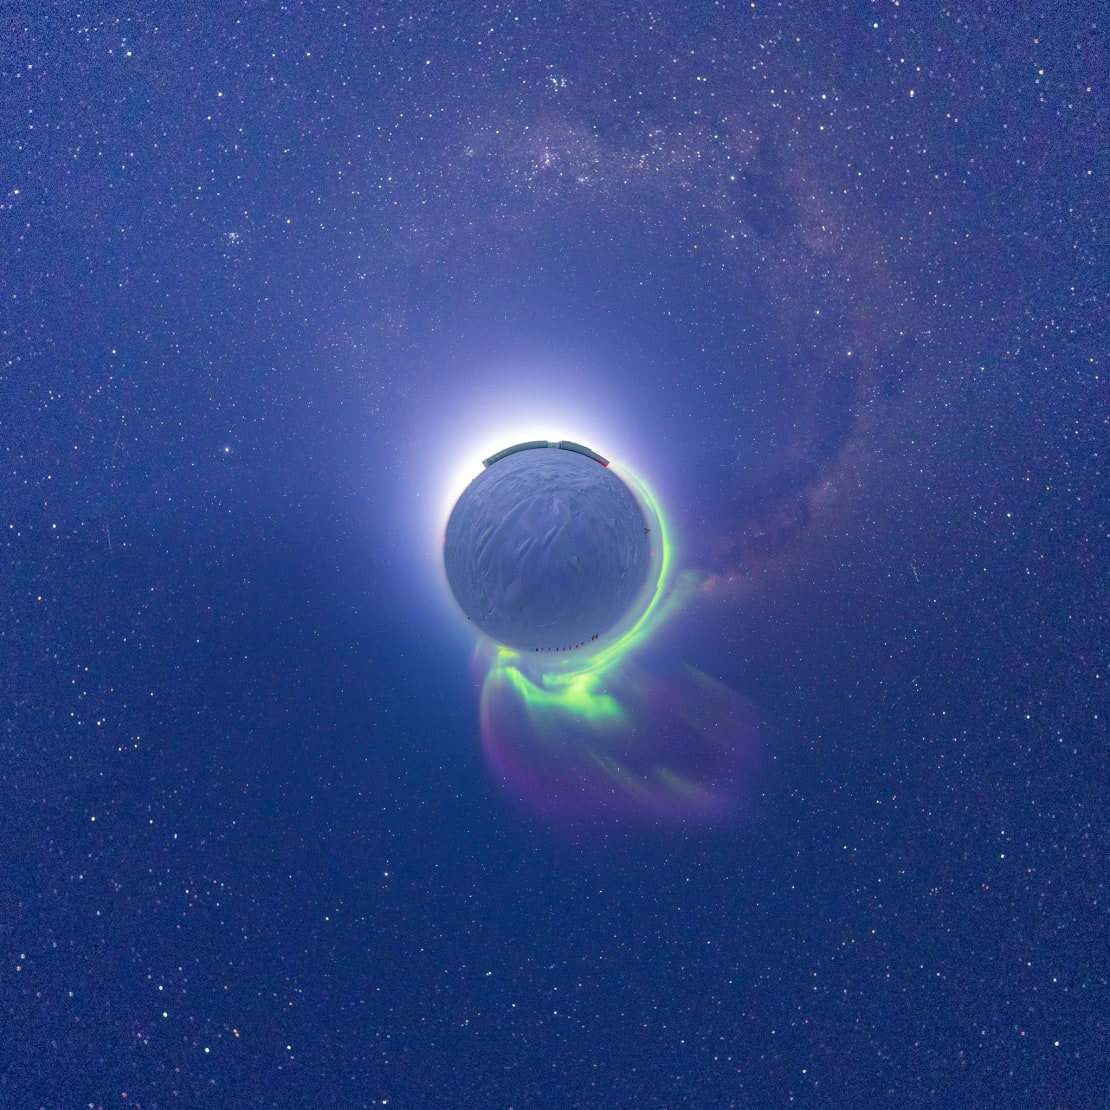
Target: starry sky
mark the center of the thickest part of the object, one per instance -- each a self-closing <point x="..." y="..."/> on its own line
<point x="830" y="278"/>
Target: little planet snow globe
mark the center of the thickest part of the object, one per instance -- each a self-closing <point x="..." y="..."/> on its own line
<point x="547" y="548"/>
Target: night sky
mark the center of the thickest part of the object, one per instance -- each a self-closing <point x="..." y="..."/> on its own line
<point x="830" y="279"/>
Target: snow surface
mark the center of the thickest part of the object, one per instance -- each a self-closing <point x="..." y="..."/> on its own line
<point x="546" y="549"/>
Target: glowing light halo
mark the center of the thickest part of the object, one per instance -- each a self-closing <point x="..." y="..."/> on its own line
<point x="507" y="405"/>
<point x="510" y="405"/>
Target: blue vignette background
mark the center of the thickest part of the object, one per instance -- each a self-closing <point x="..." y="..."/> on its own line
<point x="833" y="282"/>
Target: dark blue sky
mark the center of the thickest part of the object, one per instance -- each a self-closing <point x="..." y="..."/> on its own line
<point x="276" y="278"/>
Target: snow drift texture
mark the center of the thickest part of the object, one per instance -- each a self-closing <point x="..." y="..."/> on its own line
<point x="546" y="549"/>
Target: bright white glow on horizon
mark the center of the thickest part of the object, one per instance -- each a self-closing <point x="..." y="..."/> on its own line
<point x="483" y="412"/>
